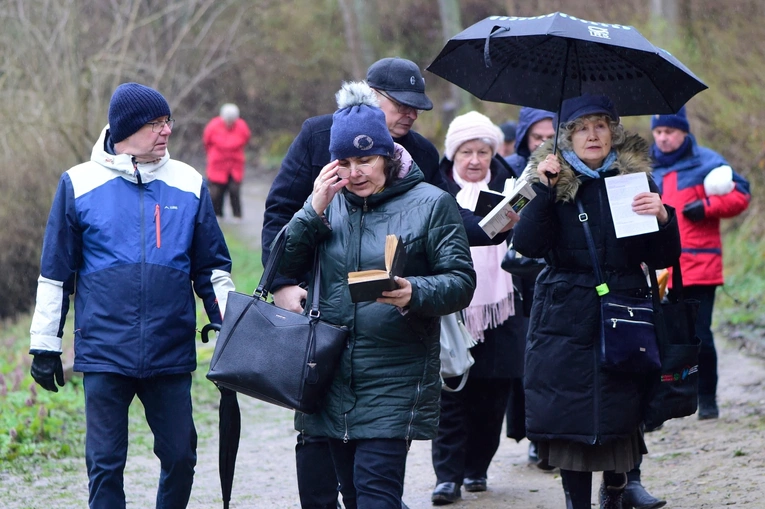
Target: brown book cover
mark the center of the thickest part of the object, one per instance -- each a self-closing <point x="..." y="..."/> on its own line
<point x="368" y="285"/>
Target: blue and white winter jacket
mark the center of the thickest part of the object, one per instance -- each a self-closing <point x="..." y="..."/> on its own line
<point x="133" y="242"/>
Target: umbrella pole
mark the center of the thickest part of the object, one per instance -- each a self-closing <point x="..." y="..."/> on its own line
<point x="560" y="100"/>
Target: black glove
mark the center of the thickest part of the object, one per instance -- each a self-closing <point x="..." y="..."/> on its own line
<point x="694" y="210"/>
<point x="47" y="369"/>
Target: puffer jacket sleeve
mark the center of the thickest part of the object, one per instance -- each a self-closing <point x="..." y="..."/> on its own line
<point x="452" y="283"/>
<point x="305" y="231"/>
<point x="61" y="258"/>
<point x="210" y="260"/>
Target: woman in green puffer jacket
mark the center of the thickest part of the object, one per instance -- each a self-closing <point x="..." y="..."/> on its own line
<point x="386" y="390"/>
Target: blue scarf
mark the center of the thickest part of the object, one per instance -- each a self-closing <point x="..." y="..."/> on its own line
<point x="576" y="163"/>
<point x="669" y="159"/>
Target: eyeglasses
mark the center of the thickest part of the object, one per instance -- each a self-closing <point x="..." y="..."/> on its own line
<point x="401" y="108"/>
<point x="363" y="169"/>
<point x="157" y="126"/>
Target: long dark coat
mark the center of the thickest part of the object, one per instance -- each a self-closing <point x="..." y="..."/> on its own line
<point x="568" y="396"/>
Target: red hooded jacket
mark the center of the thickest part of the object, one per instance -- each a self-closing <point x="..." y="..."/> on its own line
<point x="225" y="150"/>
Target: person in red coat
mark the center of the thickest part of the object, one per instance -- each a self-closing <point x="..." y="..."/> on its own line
<point x="225" y="137"/>
<point x="700" y="183"/>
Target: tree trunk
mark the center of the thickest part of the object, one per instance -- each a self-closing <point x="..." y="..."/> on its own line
<point x="350" y="26"/>
<point x="451" y="26"/>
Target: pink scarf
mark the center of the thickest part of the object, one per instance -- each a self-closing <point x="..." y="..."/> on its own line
<point x="492" y="302"/>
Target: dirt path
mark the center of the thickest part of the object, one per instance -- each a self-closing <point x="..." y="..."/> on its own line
<point x="693" y="464"/>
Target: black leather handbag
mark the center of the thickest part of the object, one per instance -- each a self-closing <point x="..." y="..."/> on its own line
<point x="522" y="266"/>
<point x="275" y="355"/>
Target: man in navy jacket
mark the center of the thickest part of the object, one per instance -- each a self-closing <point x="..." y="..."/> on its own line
<point x="133" y="235"/>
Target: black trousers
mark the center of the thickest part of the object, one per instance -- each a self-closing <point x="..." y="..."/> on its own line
<point x="469" y="429"/>
<point x="708" y="354"/>
<point x="317" y="481"/>
<point x="371" y="471"/>
<point x="217" y="193"/>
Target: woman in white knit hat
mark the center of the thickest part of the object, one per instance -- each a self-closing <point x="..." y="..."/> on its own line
<point x="471" y="419"/>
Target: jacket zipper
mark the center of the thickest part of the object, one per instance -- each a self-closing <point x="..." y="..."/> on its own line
<point x="346" y="438"/>
<point x="411" y="414"/>
<point x="141" y="293"/>
<point x="157" y="226"/>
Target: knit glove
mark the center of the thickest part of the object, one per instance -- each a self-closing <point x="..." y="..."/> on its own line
<point x="47" y="369"/>
<point x="694" y="211"/>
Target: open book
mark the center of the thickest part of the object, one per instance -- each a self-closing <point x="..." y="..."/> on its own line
<point x="368" y="285"/>
<point x="518" y="193"/>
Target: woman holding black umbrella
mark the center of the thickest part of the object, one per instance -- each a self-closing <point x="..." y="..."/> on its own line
<point x="586" y="419"/>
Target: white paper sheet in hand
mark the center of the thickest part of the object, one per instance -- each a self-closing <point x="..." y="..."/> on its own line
<point x="621" y="191"/>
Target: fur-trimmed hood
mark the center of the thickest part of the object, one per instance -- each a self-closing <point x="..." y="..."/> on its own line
<point x="632" y="156"/>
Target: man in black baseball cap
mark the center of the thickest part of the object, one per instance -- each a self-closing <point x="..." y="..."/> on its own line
<point x="400" y="88"/>
<point x="400" y="79"/>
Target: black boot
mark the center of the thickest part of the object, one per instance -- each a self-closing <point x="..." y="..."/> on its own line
<point x="577" y="487"/>
<point x="708" y="407"/>
<point x="636" y="497"/>
<point x="612" y="490"/>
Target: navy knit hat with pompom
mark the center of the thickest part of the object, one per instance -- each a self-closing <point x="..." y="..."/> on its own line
<point x="131" y="106"/>
<point x="358" y="126"/>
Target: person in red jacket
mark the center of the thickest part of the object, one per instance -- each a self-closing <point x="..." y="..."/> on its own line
<point x="225" y="137"/>
<point x="700" y="183"/>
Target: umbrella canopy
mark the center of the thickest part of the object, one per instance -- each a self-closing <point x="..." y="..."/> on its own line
<point x="541" y="61"/>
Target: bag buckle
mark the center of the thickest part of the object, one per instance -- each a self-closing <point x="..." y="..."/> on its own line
<point x="583" y="217"/>
<point x="314" y="313"/>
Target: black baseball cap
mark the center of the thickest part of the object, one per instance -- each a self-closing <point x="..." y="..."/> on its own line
<point x="402" y="80"/>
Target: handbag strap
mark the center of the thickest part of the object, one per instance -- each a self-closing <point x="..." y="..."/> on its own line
<point x="269" y="271"/>
<point x="314" y="312"/>
<point x="677" y="278"/>
<point x="602" y="287"/>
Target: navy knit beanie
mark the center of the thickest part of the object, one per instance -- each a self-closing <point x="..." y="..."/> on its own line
<point x="358" y="126"/>
<point x="679" y="121"/>
<point x="131" y="106"/>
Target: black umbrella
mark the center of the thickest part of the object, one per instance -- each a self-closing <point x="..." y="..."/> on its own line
<point x="228" y="435"/>
<point x="229" y="430"/>
<point x="541" y="61"/>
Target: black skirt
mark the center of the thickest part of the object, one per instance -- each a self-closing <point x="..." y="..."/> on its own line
<point x="619" y="456"/>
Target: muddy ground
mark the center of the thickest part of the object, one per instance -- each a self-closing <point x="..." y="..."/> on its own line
<point x="693" y="464"/>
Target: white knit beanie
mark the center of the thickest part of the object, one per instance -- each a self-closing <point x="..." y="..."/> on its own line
<point x="471" y="126"/>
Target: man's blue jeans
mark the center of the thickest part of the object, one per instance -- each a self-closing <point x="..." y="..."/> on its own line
<point x="371" y="472"/>
<point x="167" y="403"/>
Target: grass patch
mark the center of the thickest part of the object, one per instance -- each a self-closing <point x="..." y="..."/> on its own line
<point x="740" y="300"/>
<point x="36" y="425"/>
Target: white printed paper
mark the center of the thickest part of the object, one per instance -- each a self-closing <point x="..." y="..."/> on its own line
<point x="621" y="192"/>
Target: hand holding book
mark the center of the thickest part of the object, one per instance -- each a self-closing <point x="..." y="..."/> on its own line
<point x="368" y="285"/>
<point x="517" y="195"/>
<point x="400" y="297"/>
